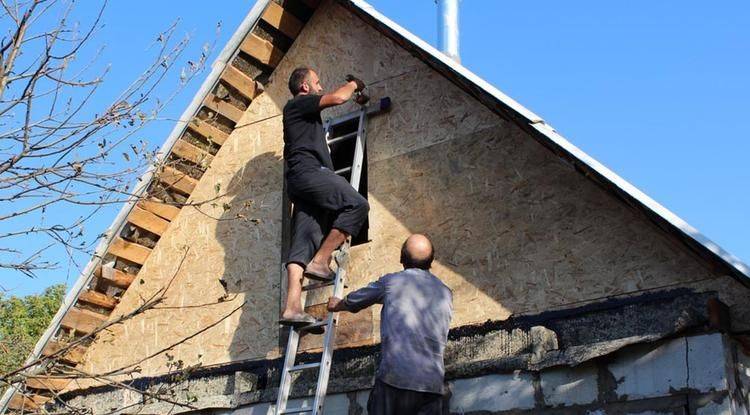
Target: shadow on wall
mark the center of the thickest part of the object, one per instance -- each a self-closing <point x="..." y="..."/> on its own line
<point x="248" y="230"/>
<point x="516" y="230"/>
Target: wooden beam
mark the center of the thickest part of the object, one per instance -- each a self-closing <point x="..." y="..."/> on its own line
<point x="98" y="299"/>
<point x="159" y="208"/>
<point x="244" y="84"/>
<point x="128" y="250"/>
<point x="208" y="131"/>
<point x="224" y="108"/>
<point x="83" y="321"/>
<point x="281" y="19"/>
<point x="177" y="180"/>
<point x="47" y="383"/>
<point x="21" y="403"/>
<point x="191" y="153"/>
<point x="148" y="221"/>
<point x="262" y="50"/>
<point x="73" y="355"/>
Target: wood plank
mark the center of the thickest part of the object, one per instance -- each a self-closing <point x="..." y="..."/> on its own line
<point x="98" y="299"/>
<point x="244" y="84"/>
<point x="47" y="382"/>
<point x="177" y="180"/>
<point x="83" y="321"/>
<point x="128" y="250"/>
<point x="148" y="221"/>
<point x="262" y="50"/>
<point x="224" y="108"/>
<point x="21" y="403"/>
<point x="287" y="23"/>
<point x="208" y="131"/>
<point x="115" y="276"/>
<point x="73" y="355"/>
<point x="191" y="153"/>
<point x="159" y="208"/>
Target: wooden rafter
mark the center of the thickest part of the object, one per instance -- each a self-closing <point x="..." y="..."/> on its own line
<point x="84" y="321"/>
<point x="282" y="20"/>
<point x="115" y="276"/>
<point x="191" y="153"/>
<point x="72" y="355"/>
<point x="128" y="250"/>
<point x="47" y="382"/>
<point x="241" y="82"/>
<point x="262" y="50"/>
<point x="158" y="208"/>
<point x="98" y="299"/>
<point x="224" y="108"/>
<point x="177" y="180"/>
<point x="208" y="131"/>
<point x="148" y="221"/>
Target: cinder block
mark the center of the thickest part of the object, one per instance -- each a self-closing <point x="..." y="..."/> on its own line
<point x="645" y="372"/>
<point x="713" y="408"/>
<point x="257" y="409"/>
<point x="493" y="393"/>
<point x="706" y="363"/>
<point x="569" y="386"/>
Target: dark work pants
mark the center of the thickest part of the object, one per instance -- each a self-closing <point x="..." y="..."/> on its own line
<point x="388" y="400"/>
<point x="322" y="200"/>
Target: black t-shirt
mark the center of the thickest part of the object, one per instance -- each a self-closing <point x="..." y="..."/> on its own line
<point x="304" y="140"/>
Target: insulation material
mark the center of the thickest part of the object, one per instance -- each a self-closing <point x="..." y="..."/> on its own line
<point x="516" y="230"/>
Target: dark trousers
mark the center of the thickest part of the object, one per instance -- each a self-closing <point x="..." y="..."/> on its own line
<point x="388" y="400"/>
<point x="322" y="200"/>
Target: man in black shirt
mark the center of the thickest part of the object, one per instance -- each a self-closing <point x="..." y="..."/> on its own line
<point x="324" y="202"/>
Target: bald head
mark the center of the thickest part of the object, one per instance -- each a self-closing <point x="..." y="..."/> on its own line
<point x="417" y="252"/>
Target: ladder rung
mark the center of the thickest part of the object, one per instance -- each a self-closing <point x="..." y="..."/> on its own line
<point x="295" y="410"/>
<point x="314" y="325"/>
<point x="317" y="285"/>
<point x="344" y="170"/>
<point x="342" y="138"/>
<point x="305" y="366"/>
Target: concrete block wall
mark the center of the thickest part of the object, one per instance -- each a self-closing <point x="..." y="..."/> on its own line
<point x="686" y="376"/>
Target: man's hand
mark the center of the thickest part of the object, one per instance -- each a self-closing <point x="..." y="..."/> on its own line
<point x="360" y="84"/>
<point x="361" y="98"/>
<point x="336" y="304"/>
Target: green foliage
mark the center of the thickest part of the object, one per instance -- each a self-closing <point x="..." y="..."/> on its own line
<point x="22" y="322"/>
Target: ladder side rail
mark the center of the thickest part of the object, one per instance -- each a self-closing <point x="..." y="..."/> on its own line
<point x="327" y="355"/>
<point x="338" y="289"/>
<point x="290" y="356"/>
<point x="286" y="376"/>
<point x="359" y="152"/>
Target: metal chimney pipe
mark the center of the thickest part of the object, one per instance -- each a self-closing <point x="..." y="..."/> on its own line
<point x="448" y="28"/>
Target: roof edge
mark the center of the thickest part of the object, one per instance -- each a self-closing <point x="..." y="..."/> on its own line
<point x="517" y="112"/>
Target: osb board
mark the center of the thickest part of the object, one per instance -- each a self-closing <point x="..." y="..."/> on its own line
<point x="516" y="230"/>
<point x="235" y="235"/>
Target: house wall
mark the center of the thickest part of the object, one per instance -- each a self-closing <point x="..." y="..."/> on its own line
<point x="681" y="376"/>
<point x="516" y="229"/>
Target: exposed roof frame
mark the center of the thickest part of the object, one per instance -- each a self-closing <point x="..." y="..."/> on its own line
<point x="221" y="62"/>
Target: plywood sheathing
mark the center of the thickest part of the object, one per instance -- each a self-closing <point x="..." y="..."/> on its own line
<point x="516" y="229"/>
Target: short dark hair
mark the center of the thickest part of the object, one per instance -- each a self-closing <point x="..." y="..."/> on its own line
<point x="297" y="78"/>
<point x="423" y="263"/>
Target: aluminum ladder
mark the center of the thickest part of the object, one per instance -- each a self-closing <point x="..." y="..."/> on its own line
<point x="354" y="171"/>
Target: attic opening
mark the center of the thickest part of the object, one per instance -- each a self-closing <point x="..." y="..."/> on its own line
<point x="342" y="142"/>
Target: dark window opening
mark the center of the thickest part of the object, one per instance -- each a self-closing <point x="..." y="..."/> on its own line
<point x="342" y="140"/>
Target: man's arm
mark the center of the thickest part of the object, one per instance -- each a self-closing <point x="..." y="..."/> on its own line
<point x="343" y="94"/>
<point x="357" y="300"/>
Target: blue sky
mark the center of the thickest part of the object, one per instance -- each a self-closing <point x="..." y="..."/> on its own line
<point x="656" y="91"/>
